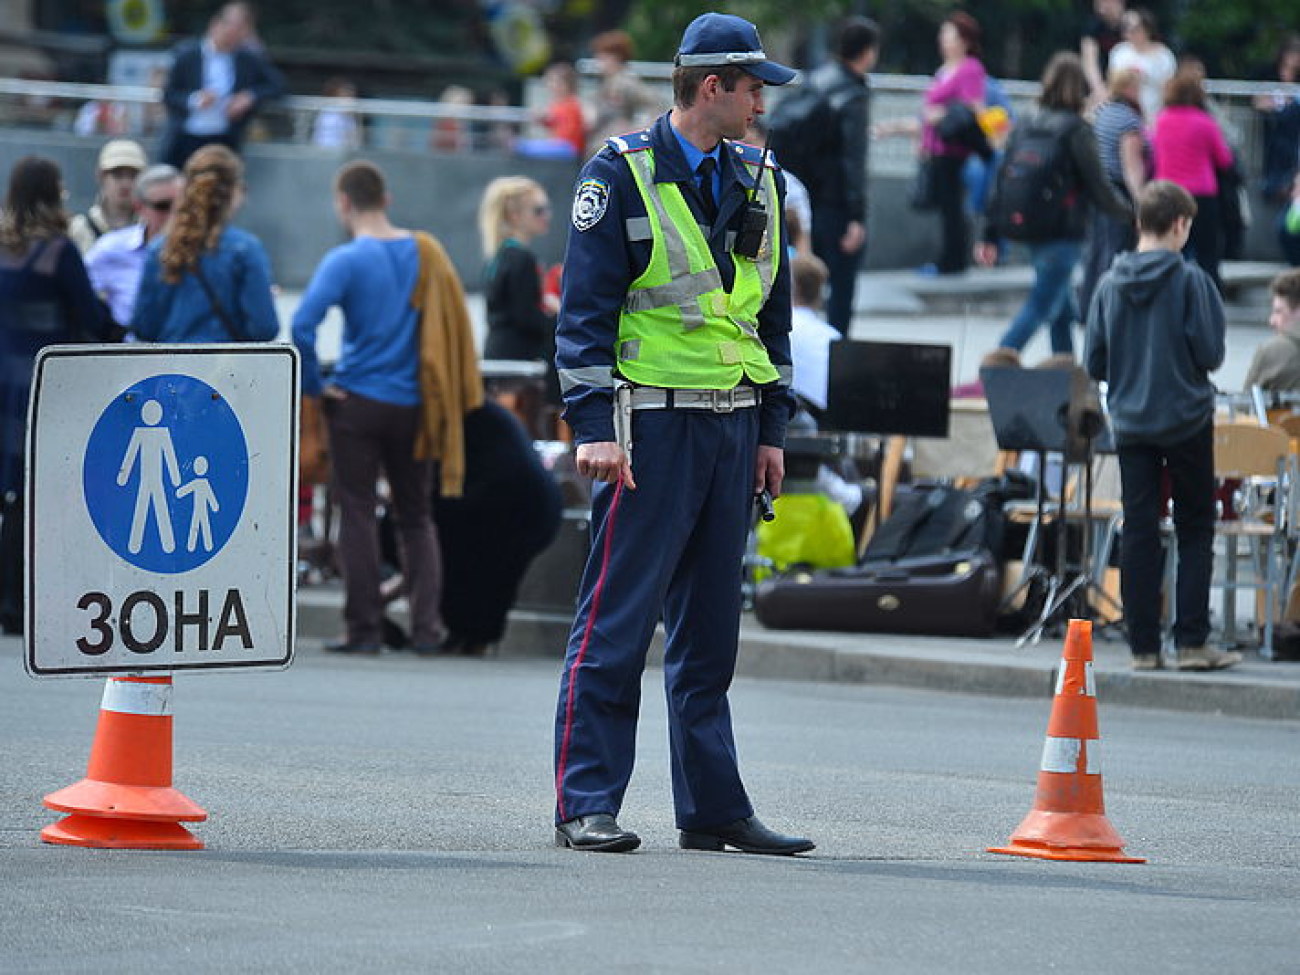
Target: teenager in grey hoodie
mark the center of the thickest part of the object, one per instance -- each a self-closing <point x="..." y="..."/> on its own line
<point x="1156" y="329"/>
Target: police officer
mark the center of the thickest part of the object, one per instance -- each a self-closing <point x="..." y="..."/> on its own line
<point x="673" y="352"/>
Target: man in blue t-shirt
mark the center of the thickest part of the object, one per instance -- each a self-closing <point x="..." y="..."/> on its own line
<point x="372" y="408"/>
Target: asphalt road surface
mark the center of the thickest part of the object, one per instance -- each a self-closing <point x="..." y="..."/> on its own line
<point x="393" y="814"/>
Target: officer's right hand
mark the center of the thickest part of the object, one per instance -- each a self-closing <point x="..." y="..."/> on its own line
<point x="604" y="461"/>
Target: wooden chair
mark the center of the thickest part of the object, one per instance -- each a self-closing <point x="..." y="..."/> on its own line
<point x="1258" y="457"/>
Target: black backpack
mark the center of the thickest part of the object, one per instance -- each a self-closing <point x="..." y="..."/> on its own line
<point x="937" y="519"/>
<point x="798" y="129"/>
<point x="1037" y="192"/>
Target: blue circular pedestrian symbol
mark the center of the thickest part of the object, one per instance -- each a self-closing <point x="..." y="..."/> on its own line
<point x="166" y="473"/>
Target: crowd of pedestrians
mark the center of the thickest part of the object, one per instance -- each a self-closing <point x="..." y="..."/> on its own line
<point x="156" y="257"/>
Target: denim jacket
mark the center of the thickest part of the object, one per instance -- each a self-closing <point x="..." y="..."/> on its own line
<point x="239" y="274"/>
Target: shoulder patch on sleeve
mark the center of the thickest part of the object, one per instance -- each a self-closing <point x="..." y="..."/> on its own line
<point x="590" y="202"/>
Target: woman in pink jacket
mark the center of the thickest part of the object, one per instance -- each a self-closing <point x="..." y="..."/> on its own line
<point x="961" y="78"/>
<point x="1190" y="150"/>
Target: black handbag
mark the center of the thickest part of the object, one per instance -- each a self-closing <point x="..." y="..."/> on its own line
<point x="960" y="126"/>
<point x="922" y="196"/>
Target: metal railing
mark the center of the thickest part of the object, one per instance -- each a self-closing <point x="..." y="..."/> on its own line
<point x="898" y="96"/>
<point x="136" y="111"/>
<point x="422" y="125"/>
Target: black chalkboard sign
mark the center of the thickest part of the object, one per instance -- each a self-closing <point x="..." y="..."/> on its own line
<point x="889" y="388"/>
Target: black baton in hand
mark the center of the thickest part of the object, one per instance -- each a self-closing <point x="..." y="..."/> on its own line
<point x="763" y="502"/>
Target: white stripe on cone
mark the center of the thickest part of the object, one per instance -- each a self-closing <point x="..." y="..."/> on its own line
<point x="1089" y="680"/>
<point x="130" y="697"/>
<point x="1062" y="755"/>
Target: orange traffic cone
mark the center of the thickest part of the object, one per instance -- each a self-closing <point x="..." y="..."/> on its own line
<point x="126" y="799"/>
<point x="1068" y="821"/>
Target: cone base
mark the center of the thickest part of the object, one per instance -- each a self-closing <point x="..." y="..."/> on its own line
<point x="111" y="800"/>
<point x="1073" y="853"/>
<point x="120" y="834"/>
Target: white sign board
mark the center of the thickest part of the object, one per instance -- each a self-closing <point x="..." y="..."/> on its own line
<point x="161" y="501"/>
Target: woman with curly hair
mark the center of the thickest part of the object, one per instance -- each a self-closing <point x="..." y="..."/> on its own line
<point x="206" y="281"/>
<point x="45" y="298"/>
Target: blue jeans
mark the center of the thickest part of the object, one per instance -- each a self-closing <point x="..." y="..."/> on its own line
<point x="1050" y="299"/>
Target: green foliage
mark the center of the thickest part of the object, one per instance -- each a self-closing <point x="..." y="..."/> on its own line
<point x="1237" y="39"/>
<point x="657" y="25"/>
<point x="1020" y="35"/>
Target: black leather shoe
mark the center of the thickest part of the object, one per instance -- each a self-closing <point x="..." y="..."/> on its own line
<point x="354" y="648"/>
<point x="747" y="836"/>
<point x="597" y="834"/>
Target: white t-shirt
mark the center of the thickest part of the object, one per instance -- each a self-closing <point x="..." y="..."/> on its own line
<point x="810" y="353"/>
<point x="797" y="199"/>
<point x="1156" y="67"/>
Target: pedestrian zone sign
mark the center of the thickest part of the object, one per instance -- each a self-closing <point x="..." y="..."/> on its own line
<point x="161" y="508"/>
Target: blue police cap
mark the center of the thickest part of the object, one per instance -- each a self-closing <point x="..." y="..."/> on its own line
<point x="716" y="40"/>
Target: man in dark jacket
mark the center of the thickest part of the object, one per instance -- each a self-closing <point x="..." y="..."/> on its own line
<point x="838" y="186"/>
<point x="215" y="86"/>
<point x="1156" y="330"/>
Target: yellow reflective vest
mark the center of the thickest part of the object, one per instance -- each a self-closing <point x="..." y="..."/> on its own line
<point x="679" y="327"/>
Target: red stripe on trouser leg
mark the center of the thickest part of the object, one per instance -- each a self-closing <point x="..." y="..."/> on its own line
<point x="596" y="592"/>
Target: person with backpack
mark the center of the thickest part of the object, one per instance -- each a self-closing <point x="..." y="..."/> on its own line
<point x="120" y="162"/>
<point x="1049" y="174"/>
<point x="821" y="136"/>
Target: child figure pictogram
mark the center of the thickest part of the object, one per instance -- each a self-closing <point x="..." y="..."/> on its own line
<point x="205" y="503"/>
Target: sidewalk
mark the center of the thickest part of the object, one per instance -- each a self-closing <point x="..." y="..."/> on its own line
<point x="968" y="311"/>
<point x="1256" y="688"/>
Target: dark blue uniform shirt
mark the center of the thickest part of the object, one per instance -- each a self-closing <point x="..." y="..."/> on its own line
<point x="601" y="263"/>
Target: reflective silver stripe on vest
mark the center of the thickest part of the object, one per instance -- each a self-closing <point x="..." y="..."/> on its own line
<point x="600" y="377"/>
<point x="679" y="261"/>
<point x="784" y="375"/>
<point x="629" y="350"/>
<point x="749" y="328"/>
<point x="679" y="291"/>
<point x="639" y="228"/>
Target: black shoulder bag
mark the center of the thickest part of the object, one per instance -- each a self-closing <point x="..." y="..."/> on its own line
<point x="217" y="307"/>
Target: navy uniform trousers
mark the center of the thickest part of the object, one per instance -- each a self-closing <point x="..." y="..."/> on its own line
<point x="674" y="547"/>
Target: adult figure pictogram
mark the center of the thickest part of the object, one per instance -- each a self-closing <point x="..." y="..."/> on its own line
<point x="152" y="449"/>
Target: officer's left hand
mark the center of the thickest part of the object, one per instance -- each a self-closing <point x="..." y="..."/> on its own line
<point x="769" y="470"/>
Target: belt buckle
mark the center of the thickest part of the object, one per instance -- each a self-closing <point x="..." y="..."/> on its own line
<point x="724" y="400"/>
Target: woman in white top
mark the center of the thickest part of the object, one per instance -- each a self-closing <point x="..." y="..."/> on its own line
<point x="1143" y="51"/>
